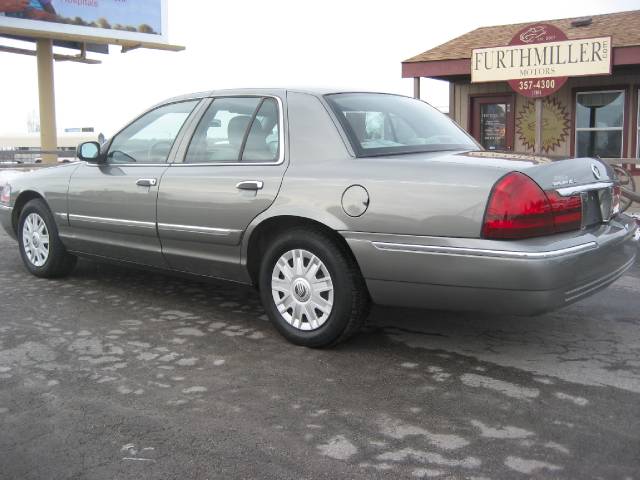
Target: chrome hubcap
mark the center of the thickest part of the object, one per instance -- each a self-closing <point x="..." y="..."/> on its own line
<point x="302" y="289"/>
<point x="35" y="239"/>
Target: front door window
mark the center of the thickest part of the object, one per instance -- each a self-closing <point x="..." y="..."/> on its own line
<point x="150" y="138"/>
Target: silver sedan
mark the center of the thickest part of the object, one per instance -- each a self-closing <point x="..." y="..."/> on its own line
<point x="328" y="201"/>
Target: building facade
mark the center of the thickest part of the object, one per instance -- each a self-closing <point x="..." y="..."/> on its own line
<point x="587" y="116"/>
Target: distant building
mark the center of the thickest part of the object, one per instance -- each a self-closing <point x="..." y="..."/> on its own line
<point x="26" y="147"/>
<point x="79" y="130"/>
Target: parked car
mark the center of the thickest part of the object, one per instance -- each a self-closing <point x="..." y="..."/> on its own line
<point x="328" y="201"/>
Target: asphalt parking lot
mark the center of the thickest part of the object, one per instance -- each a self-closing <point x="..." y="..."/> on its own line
<point x="122" y="374"/>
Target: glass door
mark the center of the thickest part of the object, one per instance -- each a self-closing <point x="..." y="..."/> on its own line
<point x="492" y="121"/>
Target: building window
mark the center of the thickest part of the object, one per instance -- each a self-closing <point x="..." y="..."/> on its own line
<point x="600" y="123"/>
<point x="638" y="127"/>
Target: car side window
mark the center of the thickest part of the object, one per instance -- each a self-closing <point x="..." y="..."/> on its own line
<point x="380" y="127"/>
<point x="222" y="130"/>
<point x="237" y="129"/>
<point x="263" y="141"/>
<point x="149" y="138"/>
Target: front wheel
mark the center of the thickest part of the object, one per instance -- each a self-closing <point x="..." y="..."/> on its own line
<point x="42" y="252"/>
<point x="312" y="289"/>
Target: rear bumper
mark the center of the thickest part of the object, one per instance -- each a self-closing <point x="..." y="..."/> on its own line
<point x="6" y="219"/>
<point x="520" y="277"/>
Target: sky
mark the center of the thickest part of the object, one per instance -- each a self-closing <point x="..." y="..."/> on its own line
<point x="356" y="44"/>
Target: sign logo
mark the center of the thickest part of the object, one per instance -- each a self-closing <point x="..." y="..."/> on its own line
<point x="539" y="59"/>
<point x="532" y="34"/>
<point x="596" y="171"/>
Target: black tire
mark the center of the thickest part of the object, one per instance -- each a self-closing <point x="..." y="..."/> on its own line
<point x="59" y="262"/>
<point x="351" y="301"/>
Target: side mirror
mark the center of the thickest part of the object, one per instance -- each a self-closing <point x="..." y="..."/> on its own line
<point x="89" y="152"/>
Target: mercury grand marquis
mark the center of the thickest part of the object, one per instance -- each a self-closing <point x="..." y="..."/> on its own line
<point x="327" y="202"/>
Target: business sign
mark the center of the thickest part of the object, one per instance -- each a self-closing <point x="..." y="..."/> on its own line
<point x="540" y="58"/>
<point x="132" y="20"/>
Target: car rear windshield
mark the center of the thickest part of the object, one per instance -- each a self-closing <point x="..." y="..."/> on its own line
<point x="384" y="124"/>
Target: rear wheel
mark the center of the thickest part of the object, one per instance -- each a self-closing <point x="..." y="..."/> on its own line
<point x="40" y="247"/>
<point x="312" y="289"/>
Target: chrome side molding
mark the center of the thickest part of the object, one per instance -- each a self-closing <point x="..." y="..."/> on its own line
<point x="167" y="227"/>
<point x="111" y="221"/>
<point x="170" y="227"/>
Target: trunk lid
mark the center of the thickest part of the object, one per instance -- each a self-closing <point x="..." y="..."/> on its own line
<point x="549" y="174"/>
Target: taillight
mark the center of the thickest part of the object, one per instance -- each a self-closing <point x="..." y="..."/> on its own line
<point x="567" y="212"/>
<point x="518" y="208"/>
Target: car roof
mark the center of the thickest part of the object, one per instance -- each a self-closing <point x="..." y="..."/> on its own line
<point x="316" y="91"/>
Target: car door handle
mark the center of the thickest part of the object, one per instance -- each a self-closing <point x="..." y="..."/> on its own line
<point x="146" y="182"/>
<point x="250" y="185"/>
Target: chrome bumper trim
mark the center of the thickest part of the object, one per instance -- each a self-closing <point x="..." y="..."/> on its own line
<point x="170" y="227"/>
<point x="478" y="252"/>
<point x="111" y="221"/>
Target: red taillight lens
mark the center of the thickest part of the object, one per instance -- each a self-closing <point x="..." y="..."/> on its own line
<point x="518" y="208"/>
<point x="567" y="212"/>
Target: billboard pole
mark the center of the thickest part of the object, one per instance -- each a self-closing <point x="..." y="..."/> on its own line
<point x="73" y="22"/>
<point x="48" y="133"/>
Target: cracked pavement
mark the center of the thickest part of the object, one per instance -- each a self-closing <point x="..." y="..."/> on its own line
<point x="116" y="373"/>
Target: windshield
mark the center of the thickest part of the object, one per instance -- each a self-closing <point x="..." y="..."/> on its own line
<point x="383" y="124"/>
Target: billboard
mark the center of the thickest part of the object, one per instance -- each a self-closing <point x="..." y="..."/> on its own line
<point x="129" y="20"/>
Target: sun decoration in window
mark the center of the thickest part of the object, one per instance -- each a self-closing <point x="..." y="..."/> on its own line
<point x="555" y="124"/>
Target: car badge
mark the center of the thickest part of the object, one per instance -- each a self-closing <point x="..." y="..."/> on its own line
<point x="596" y="171"/>
<point x="563" y="180"/>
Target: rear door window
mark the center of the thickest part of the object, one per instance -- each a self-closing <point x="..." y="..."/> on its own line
<point x="263" y="141"/>
<point x="236" y="129"/>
